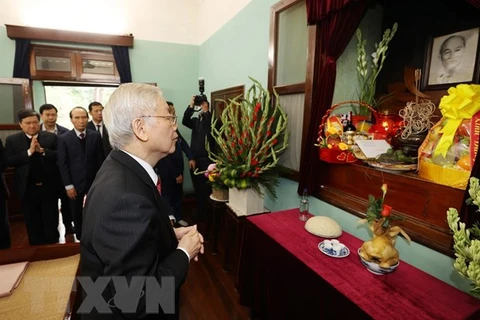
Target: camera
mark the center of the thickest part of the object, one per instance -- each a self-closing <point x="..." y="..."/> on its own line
<point x="201" y="98"/>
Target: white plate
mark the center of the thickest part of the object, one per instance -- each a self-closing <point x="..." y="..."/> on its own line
<point x="324" y="236"/>
<point x="329" y="252"/>
<point x="392" y="168"/>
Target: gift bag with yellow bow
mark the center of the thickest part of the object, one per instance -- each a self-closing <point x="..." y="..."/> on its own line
<point x="447" y="154"/>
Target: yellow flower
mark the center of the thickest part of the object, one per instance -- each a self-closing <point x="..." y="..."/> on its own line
<point x="384" y="189"/>
<point x="342" y="146"/>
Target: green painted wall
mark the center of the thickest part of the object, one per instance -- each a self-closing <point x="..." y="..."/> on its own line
<point x="240" y="49"/>
<point x="7" y="54"/>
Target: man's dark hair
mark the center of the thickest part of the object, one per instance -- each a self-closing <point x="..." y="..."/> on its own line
<point x="25" y="113"/>
<point x="86" y="112"/>
<point x="93" y="104"/>
<point x="47" y="106"/>
<point x="170" y="103"/>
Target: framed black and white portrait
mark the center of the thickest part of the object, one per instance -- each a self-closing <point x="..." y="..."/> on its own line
<point x="451" y="59"/>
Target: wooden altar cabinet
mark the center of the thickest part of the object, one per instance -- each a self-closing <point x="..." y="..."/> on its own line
<point x="283" y="275"/>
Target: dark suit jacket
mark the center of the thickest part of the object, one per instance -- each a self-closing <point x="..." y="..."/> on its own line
<point x="60" y="130"/>
<point x="16" y="147"/>
<point x="172" y="165"/>
<point x="105" y="140"/>
<point x="126" y="230"/>
<point x="4" y="192"/>
<point x="77" y="167"/>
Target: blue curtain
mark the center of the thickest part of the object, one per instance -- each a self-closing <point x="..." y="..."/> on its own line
<point x="122" y="60"/>
<point x="21" y="65"/>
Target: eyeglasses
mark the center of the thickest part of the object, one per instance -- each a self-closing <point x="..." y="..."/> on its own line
<point x="172" y="119"/>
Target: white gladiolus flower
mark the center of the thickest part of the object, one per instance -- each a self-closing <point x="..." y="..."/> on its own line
<point x="368" y="79"/>
<point x="467" y="250"/>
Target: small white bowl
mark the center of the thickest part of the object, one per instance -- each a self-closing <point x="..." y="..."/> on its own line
<point x="375" y="268"/>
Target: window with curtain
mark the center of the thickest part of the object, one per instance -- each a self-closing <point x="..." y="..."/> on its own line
<point x="293" y="106"/>
<point x="290" y="36"/>
<point x="292" y="45"/>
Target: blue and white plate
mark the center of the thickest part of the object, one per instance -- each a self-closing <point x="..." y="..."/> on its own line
<point x="329" y="252"/>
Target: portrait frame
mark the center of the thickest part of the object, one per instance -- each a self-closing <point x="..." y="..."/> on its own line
<point x="465" y="69"/>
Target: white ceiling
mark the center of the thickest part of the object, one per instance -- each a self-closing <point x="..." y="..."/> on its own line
<point x="177" y="21"/>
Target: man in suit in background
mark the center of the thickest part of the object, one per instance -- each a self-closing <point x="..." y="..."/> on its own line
<point x="5" y="241"/>
<point x="201" y="127"/>
<point x="49" y="113"/>
<point x="127" y="232"/>
<point x="95" y="109"/>
<point x="170" y="170"/>
<point x="33" y="153"/>
<point x="80" y="156"/>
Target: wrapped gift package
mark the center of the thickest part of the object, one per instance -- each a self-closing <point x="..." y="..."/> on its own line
<point x="447" y="154"/>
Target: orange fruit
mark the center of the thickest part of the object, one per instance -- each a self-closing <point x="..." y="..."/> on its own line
<point x="464" y="162"/>
<point x="343" y="146"/>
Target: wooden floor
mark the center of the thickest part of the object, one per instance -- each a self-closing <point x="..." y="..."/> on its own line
<point x="208" y="292"/>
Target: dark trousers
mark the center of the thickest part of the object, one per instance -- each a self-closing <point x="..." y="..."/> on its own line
<point x="4" y="226"/>
<point x="40" y="210"/>
<point x="172" y="192"/>
<point x="202" y="188"/>
<point x="177" y="197"/>
<point x="65" y="209"/>
<point x="77" y="212"/>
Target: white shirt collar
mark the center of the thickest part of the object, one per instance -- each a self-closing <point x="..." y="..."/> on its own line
<point x="78" y="132"/>
<point x="97" y="124"/>
<point x="45" y="129"/>
<point x="145" y="166"/>
<point x="30" y="137"/>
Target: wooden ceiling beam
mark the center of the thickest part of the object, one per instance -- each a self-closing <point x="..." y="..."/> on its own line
<point x="20" y="32"/>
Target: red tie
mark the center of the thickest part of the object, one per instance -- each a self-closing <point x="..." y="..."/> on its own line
<point x="159" y="186"/>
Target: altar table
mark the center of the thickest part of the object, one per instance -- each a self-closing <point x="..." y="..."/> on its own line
<point x="283" y="275"/>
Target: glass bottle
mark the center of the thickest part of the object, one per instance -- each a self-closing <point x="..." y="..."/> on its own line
<point x="303" y="209"/>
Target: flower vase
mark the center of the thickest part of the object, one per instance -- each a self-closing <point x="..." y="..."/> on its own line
<point x="219" y="195"/>
<point x="245" y="202"/>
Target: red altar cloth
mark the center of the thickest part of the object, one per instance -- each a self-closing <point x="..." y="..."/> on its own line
<point x="334" y="284"/>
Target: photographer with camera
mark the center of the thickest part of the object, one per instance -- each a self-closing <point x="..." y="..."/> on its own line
<point x="200" y="133"/>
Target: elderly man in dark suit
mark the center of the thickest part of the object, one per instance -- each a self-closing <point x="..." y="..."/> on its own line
<point x="95" y="109"/>
<point x="170" y="170"/>
<point x="127" y="232"/>
<point x="33" y="153"/>
<point x="49" y="113"/>
<point x="80" y="156"/>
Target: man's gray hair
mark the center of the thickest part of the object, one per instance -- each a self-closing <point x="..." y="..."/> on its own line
<point x="129" y="101"/>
